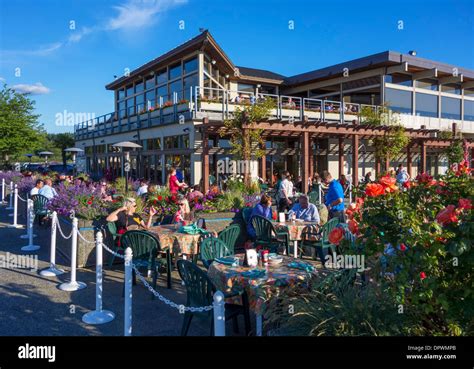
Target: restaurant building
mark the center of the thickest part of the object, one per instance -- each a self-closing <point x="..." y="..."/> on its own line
<point x="174" y="106"/>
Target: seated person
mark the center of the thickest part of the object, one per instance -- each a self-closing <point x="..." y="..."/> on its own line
<point x="304" y="210"/>
<point x="143" y="188"/>
<point x="264" y="209"/>
<point x="35" y="190"/>
<point x="126" y="217"/>
<point x="183" y="212"/>
<point x="47" y="190"/>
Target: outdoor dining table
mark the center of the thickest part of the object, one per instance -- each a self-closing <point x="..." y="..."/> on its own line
<point x="178" y="242"/>
<point x="266" y="283"/>
<point x="295" y="231"/>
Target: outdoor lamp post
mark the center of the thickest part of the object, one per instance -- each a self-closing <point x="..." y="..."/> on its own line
<point x="126" y="157"/>
<point x="45" y="154"/>
<point x="74" y="151"/>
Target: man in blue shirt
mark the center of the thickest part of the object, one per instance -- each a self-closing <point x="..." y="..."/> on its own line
<point x="334" y="199"/>
<point x="47" y="190"/>
<point x="304" y="210"/>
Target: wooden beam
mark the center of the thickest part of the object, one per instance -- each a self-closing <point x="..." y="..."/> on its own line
<point x="451" y="79"/>
<point x="341" y="156"/>
<point x="355" y="160"/>
<point x="400" y="68"/>
<point x="430" y="73"/>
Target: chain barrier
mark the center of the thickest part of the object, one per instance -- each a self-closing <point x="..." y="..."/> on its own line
<point x="82" y="237"/>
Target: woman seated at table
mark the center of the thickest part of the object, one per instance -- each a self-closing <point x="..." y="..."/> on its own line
<point x="183" y="212"/>
<point x="264" y="209"/>
<point x="126" y="217"/>
<point x="304" y="210"/>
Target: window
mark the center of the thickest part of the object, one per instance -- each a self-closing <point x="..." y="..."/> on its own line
<point x="129" y="90"/>
<point x="171" y="142"/>
<point x="190" y="65"/>
<point x="176" y="86"/>
<point x="451" y="88"/>
<point x="207" y="65"/>
<point x="399" y="100"/>
<point x="122" y="109"/>
<point x="149" y="82"/>
<point x="215" y="73"/>
<point x="139" y="87"/>
<point x="121" y="94"/>
<point x="189" y="82"/>
<point x="450" y="108"/>
<point x="140" y="102"/>
<point x="469" y="110"/>
<point x="469" y="92"/>
<point x="427" y="84"/>
<point x="130" y="106"/>
<point x="426" y="105"/>
<point x="399" y="79"/>
<point x="162" y="77"/>
<point x="162" y="92"/>
<point x="150" y="98"/>
<point x="245" y="87"/>
<point x="174" y="71"/>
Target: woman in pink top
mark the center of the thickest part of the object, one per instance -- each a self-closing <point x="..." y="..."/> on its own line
<point x="173" y="184"/>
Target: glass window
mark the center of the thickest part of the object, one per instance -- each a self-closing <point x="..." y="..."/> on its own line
<point x="399" y="100"/>
<point x="189" y="82"/>
<point x="162" y="92"/>
<point x="427" y="84"/>
<point x="426" y="105"/>
<point x="176" y="86"/>
<point x="130" y="106"/>
<point x="174" y="71"/>
<point x="190" y="65"/>
<point x="184" y="141"/>
<point x="399" y="79"/>
<point x="171" y="142"/>
<point x="122" y="109"/>
<point x="245" y="87"/>
<point x="469" y="110"/>
<point x="162" y="77"/>
<point x="451" y="88"/>
<point x="149" y="82"/>
<point x="450" y="108"/>
<point x="150" y="98"/>
<point x="130" y="90"/>
<point x="140" y="102"/>
<point x="139" y="87"/>
<point x="121" y="94"/>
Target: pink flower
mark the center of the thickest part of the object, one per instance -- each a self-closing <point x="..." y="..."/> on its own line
<point x="422" y="275"/>
<point x="447" y="215"/>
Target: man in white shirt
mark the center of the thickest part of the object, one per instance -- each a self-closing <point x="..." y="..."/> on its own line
<point x="285" y="192"/>
<point x="47" y="190"/>
<point x="143" y="189"/>
<point x="38" y="186"/>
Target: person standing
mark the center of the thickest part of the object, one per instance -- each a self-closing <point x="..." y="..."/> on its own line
<point x="173" y="183"/>
<point x="402" y="175"/>
<point x="334" y="197"/>
<point x="285" y="191"/>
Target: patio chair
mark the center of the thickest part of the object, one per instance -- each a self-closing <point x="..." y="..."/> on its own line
<point x="230" y="235"/>
<point x="314" y="197"/>
<point x="145" y="249"/>
<point x="267" y="235"/>
<point x="199" y="292"/>
<point x="212" y="248"/>
<point x="246" y="213"/>
<point x="319" y="240"/>
<point x="39" y="206"/>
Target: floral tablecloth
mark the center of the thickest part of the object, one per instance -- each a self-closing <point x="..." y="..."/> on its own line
<point x="294" y="229"/>
<point x="277" y="278"/>
<point x="179" y="243"/>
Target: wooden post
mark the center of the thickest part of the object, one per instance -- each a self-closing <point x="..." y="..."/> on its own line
<point x="423" y="156"/>
<point x="305" y="161"/>
<point x="355" y="160"/>
<point x="311" y="158"/>
<point x="409" y="161"/>
<point x="341" y="156"/>
<point x="263" y="164"/>
<point x="454" y="128"/>
<point x="205" y="156"/>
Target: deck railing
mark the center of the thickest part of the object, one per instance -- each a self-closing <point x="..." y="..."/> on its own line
<point x="197" y="102"/>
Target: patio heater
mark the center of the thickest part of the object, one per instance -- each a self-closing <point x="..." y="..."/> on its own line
<point x="74" y="151"/>
<point x="45" y="154"/>
<point x="126" y="157"/>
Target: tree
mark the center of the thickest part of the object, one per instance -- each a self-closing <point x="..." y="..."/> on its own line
<point x="245" y="139"/>
<point x="62" y="141"/>
<point x="20" y="130"/>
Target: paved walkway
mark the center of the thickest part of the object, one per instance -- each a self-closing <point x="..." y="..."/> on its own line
<point x="32" y="305"/>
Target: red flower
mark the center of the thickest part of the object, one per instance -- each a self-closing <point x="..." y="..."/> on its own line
<point x="403" y="247"/>
<point x="374" y="189"/>
<point x="407" y="184"/>
<point x="465" y="204"/>
<point x="89" y="202"/>
<point x="336" y="235"/>
<point x="424" y="178"/>
<point x="160" y="198"/>
<point x="422" y="275"/>
<point x="447" y="215"/>
<point x="353" y="226"/>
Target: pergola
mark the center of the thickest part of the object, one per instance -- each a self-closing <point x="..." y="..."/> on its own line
<point x="420" y="139"/>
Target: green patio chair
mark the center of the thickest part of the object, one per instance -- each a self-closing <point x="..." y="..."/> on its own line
<point x="199" y="292"/>
<point x="230" y="235"/>
<point x="212" y="248"/>
<point x="39" y="206"/>
<point x="146" y="248"/>
<point x="323" y="243"/>
<point x="246" y="213"/>
<point x="314" y="197"/>
<point x="267" y="235"/>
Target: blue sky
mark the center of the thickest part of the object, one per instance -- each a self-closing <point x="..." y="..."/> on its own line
<point x="67" y="69"/>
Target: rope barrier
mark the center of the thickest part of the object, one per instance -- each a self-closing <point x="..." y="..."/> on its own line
<point x="22" y="199"/>
<point x="61" y="231"/>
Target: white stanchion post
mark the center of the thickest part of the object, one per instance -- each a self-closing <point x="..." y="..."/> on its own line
<point x="52" y="271"/>
<point x="128" y="293"/>
<point x="219" y="314"/>
<point x="3" y="190"/>
<point x="15" y="210"/>
<point x="10" y="206"/>
<point x="29" y="225"/>
<point x="73" y="285"/>
<point x="295" y="249"/>
<point x="29" y="221"/>
<point x="98" y="316"/>
<point x="320" y="195"/>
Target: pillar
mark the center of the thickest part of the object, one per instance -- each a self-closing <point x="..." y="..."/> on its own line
<point x="263" y="163"/>
<point x="409" y="161"/>
<point x="423" y="156"/>
<point x="205" y="156"/>
<point x="341" y="156"/>
<point x="311" y="158"/>
<point x="305" y="160"/>
<point x="355" y="160"/>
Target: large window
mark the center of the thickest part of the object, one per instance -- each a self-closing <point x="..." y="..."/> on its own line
<point x="175" y="87"/>
<point x="121" y="94"/>
<point x="469" y="110"/>
<point x="427" y="84"/>
<point x="174" y="71"/>
<point x="149" y="82"/>
<point x="140" y="102"/>
<point x="426" y="105"/>
<point x="130" y="90"/>
<point x="244" y="87"/>
<point x="450" y="108"/>
<point x="162" y="77"/>
<point x="139" y="87"/>
<point x="190" y="65"/>
<point x="188" y="82"/>
<point x="150" y="98"/>
<point x="399" y="79"/>
<point x="162" y="92"/>
<point x="451" y="88"/>
<point x="130" y="106"/>
<point x="399" y="100"/>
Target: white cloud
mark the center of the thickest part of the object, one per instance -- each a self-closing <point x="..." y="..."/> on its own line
<point x="35" y="89"/>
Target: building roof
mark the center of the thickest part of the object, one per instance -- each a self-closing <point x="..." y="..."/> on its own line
<point x="260" y="73"/>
